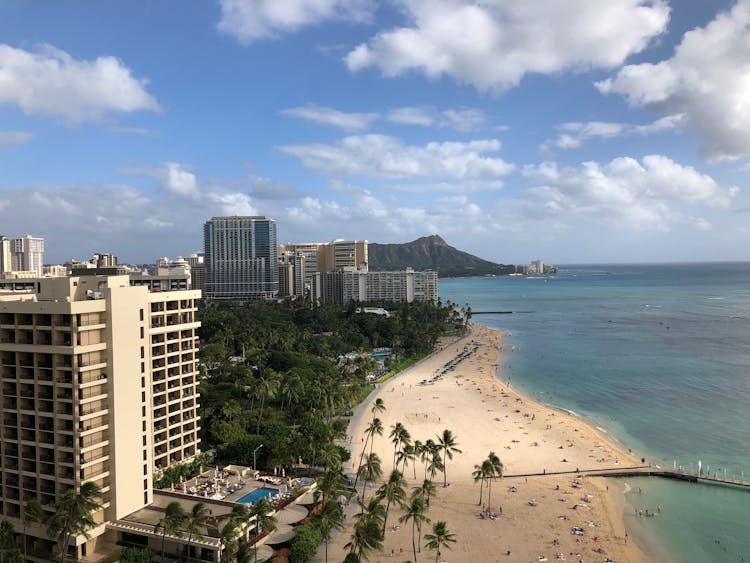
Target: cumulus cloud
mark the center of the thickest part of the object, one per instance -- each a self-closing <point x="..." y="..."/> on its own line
<point x="51" y="82"/>
<point x="707" y="79"/>
<point x="388" y="157"/>
<point x="649" y="193"/>
<point x="333" y="117"/>
<point x="174" y="178"/>
<point x="177" y="180"/>
<point x="9" y="138"/>
<point x="77" y="219"/>
<point x="252" y="20"/>
<point x="573" y="134"/>
<point x="492" y="45"/>
<point x="382" y="220"/>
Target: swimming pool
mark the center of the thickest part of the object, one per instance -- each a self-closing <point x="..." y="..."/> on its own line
<point x="255" y="494"/>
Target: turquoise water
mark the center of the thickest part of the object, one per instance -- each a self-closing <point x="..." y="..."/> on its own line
<point x="659" y="356"/>
<point x="255" y="494"/>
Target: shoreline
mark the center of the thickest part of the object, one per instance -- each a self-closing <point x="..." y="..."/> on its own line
<point x="487" y="414"/>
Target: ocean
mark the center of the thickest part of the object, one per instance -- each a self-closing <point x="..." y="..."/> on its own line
<point x="659" y="357"/>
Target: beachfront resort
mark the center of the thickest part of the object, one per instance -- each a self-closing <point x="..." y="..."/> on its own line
<point x="289" y="502"/>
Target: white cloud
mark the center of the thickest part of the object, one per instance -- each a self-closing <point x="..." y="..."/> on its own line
<point x="52" y="82"/>
<point x="251" y="20"/>
<point x="414" y="115"/>
<point x="384" y="156"/>
<point x="158" y="223"/>
<point x="9" y="138"/>
<point x="707" y="79"/>
<point x="177" y="180"/>
<point x="624" y="192"/>
<point x="362" y="213"/>
<point x="265" y="188"/>
<point x="461" y="119"/>
<point x="463" y="187"/>
<point x="333" y="117"/>
<point x="492" y="45"/>
<point x="574" y="134"/>
<point x="55" y="203"/>
<point x="121" y="217"/>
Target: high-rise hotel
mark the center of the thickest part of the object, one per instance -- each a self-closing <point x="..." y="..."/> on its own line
<point x="240" y="257"/>
<point x="99" y="383"/>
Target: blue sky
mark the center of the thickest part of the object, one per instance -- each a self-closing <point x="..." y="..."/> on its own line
<point x="571" y="131"/>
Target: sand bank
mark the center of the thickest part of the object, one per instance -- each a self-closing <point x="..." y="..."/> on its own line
<point x="485" y="414"/>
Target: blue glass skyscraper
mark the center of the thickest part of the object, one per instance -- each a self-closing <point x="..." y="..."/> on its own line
<point x="240" y="257"/>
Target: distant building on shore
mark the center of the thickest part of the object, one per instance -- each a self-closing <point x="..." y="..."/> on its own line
<point x="240" y="257"/>
<point x="536" y="268"/>
<point x="300" y="262"/>
<point x="363" y="285"/>
<point x="21" y="257"/>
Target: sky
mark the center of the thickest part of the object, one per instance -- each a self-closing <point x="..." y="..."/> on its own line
<point x="572" y="131"/>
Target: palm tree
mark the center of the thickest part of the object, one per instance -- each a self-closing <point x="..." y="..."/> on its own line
<point x="370" y="471"/>
<point x="375" y="427"/>
<point x="393" y="491"/>
<point x="399" y="435"/>
<point x="449" y="446"/>
<point x="232" y="529"/>
<point x="440" y="537"/>
<point x="479" y="474"/>
<point x="267" y="384"/>
<point x="9" y="552"/>
<point x="431" y="458"/>
<point x="426" y="491"/>
<point x="73" y="515"/>
<point x="331" y="485"/>
<point x="374" y="510"/>
<point x="435" y="462"/>
<point x="366" y="538"/>
<point x="418" y="448"/>
<point x="405" y="456"/>
<point x="330" y="518"/>
<point x="32" y="513"/>
<point x="378" y="406"/>
<point x="172" y="523"/>
<point x="245" y="553"/>
<point x="415" y="511"/>
<point x="195" y="521"/>
<point x="265" y="521"/>
<point x="493" y="469"/>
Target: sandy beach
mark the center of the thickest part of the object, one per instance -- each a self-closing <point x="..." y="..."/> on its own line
<point x="532" y="440"/>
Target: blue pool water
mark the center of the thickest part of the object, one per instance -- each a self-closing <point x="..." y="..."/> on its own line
<point x="255" y="494"/>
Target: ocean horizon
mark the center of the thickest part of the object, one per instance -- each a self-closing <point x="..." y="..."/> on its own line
<point x="658" y="356"/>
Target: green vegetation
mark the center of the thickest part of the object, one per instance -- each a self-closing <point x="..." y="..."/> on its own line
<point x="73" y="515"/>
<point x="440" y="537"/>
<point x="181" y="472"/>
<point x="306" y="543"/>
<point x="490" y="469"/>
<point x="272" y="392"/>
